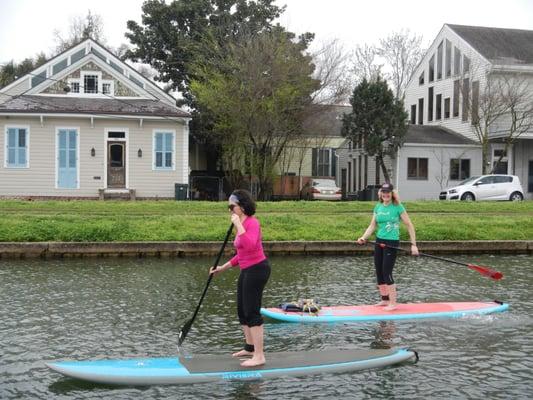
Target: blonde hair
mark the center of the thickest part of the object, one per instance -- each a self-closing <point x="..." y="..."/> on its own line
<point x="394" y="195"/>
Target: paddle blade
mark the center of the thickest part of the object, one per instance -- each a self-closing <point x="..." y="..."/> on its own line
<point x="485" y="271"/>
<point x="184" y="331"/>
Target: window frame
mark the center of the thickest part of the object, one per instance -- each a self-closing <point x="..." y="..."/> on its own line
<point x="155" y="132"/>
<point x="7" y="165"/>
<point x="418" y="177"/>
<point x="460" y="169"/>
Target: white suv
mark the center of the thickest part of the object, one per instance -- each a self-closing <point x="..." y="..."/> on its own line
<point x="486" y="187"/>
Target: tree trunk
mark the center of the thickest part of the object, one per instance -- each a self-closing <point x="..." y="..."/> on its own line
<point x="485" y="157"/>
<point x="383" y="168"/>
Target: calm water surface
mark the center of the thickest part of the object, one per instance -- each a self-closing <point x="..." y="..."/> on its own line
<point x="118" y="308"/>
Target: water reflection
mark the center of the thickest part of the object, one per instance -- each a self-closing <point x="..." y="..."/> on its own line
<point x="383" y="335"/>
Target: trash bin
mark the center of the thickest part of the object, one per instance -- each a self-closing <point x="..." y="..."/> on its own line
<point x="372" y="193"/>
<point x="180" y="191"/>
<point x="362" y="195"/>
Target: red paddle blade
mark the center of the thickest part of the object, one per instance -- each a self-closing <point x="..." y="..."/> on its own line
<point x="486" y="271"/>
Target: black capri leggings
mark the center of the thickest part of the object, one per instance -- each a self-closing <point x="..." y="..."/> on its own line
<point x="252" y="281"/>
<point x="384" y="259"/>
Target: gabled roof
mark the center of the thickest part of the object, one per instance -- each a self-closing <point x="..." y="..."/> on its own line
<point x="434" y="134"/>
<point x="82" y="105"/>
<point x="500" y="46"/>
<point x="325" y="120"/>
<point x="54" y="69"/>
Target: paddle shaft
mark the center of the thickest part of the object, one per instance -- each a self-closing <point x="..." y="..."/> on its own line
<point x="481" y="269"/>
<point x="187" y="326"/>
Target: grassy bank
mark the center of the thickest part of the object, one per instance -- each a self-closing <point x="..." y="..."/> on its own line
<point x="169" y="220"/>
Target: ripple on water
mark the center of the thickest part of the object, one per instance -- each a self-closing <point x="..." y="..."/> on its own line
<point x="117" y="308"/>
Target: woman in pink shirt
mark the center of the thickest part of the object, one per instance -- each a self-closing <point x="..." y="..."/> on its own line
<point x="255" y="271"/>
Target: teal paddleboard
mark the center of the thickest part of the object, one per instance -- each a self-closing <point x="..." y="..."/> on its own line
<point x="193" y="369"/>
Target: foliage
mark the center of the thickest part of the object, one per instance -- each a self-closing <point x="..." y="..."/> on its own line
<point x="378" y="119"/>
<point x="11" y="71"/>
<point x="258" y="92"/>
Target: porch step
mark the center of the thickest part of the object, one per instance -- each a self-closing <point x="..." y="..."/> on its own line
<point x="116" y="194"/>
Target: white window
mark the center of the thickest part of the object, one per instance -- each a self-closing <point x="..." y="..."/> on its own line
<point x="17" y="140"/>
<point x="75" y="87"/>
<point x="164" y="144"/>
<point x="106" y="88"/>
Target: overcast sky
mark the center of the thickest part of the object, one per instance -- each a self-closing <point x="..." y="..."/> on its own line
<point x="27" y="26"/>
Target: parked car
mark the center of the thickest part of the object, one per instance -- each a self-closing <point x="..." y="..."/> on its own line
<point x="486" y="187"/>
<point x="321" y="189"/>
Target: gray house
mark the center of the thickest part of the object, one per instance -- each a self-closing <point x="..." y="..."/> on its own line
<point x="87" y="125"/>
<point x="447" y="90"/>
<point x="431" y="159"/>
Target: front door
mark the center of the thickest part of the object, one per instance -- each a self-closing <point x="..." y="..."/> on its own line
<point x="116" y="164"/>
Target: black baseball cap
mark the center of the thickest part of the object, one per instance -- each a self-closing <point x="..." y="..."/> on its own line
<point x="386" y="187"/>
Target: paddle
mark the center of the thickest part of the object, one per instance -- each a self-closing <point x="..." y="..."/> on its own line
<point x="485" y="271"/>
<point x="185" y="330"/>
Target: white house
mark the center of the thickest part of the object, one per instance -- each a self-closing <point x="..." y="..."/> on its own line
<point x="449" y="83"/>
<point x="87" y="125"/>
<point x="453" y="78"/>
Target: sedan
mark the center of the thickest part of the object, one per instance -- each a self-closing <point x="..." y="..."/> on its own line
<point x="321" y="189"/>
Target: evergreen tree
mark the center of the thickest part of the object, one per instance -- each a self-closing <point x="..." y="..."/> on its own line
<point x="378" y="119"/>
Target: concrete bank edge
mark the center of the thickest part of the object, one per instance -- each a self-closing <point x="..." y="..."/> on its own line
<point x="186" y="249"/>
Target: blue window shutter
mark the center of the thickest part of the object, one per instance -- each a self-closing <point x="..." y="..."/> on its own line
<point x="17" y="148"/>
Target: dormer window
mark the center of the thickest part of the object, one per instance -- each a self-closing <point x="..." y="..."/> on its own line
<point x="90" y="83"/>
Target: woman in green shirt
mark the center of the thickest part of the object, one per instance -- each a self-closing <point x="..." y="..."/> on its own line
<point x="387" y="215"/>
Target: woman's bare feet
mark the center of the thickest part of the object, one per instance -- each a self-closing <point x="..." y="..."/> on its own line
<point x="390" y="307"/>
<point x="255" y="361"/>
<point x="242" y="353"/>
<point x="383" y="303"/>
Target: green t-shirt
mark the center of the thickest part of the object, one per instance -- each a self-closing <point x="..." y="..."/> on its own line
<point x="388" y="220"/>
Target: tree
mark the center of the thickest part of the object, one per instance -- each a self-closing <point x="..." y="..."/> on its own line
<point x="81" y="28"/>
<point x="498" y="105"/>
<point x="257" y="93"/>
<point x="402" y="52"/>
<point x="172" y="35"/>
<point x="331" y="69"/>
<point x="365" y="63"/>
<point x="379" y="118"/>
<point x="11" y="71"/>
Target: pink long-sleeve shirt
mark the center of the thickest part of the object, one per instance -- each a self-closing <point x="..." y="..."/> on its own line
<point x="248" y="245"/>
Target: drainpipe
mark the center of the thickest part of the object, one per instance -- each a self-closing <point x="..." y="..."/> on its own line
<point x="397" y="168"/>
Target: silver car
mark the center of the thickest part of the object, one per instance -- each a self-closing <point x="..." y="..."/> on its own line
<point x="486" y="187"/>
<point x="321" y="189"/>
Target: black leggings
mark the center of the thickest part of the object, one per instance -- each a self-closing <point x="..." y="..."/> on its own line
<point x="252" y="281"/>
<point x="384" y="259"/>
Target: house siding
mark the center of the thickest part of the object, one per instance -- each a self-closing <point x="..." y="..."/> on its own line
<point x="15" y="90"/>
<point x="294" y="154"/>
<point x="523" y="155"/>
<point x="444" y="86"/>
<point x="40" y="178"/>
<point x="438" y="169"/>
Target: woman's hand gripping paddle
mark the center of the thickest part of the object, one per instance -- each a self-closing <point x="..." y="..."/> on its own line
<point x="185" y="330"/>
<point x="485" y="271"/>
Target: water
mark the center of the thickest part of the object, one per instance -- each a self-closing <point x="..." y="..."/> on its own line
<point x="118" y="308"/>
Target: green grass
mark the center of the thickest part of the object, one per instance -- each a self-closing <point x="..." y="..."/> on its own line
<point x="35" y="221"/>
